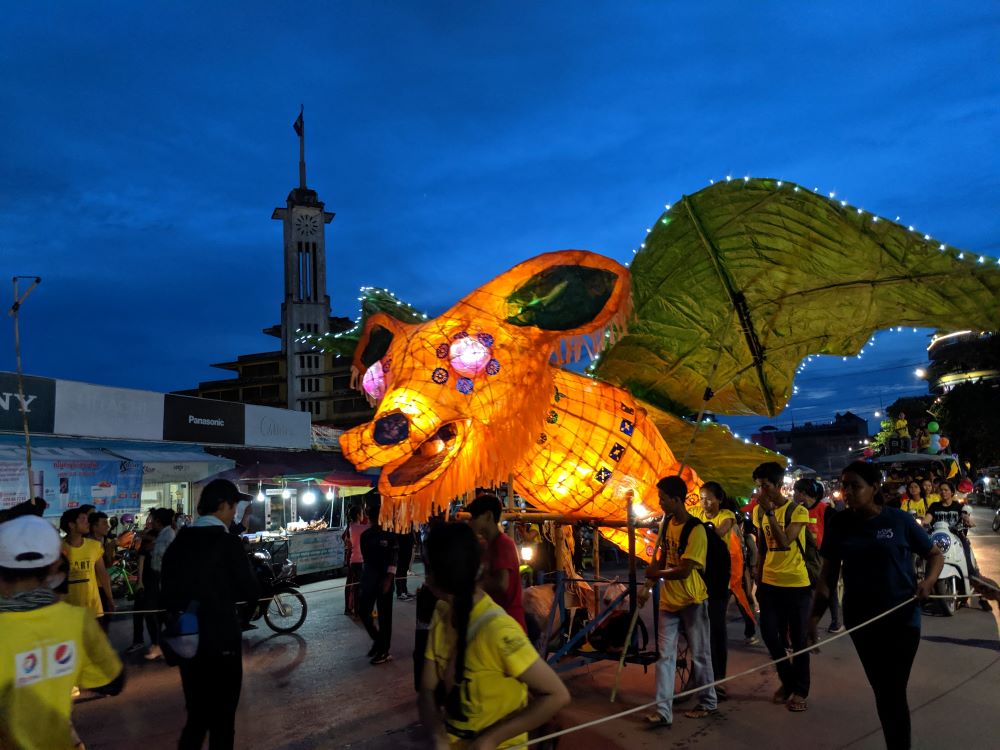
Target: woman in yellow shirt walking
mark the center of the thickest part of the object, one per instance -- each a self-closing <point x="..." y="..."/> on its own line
<point x="479" y="664"/>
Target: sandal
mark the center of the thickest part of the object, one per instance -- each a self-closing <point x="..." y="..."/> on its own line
<point x="700" y="712"/>
<point x="780" y="696"/>
<point x="797" y="703"/>
<point x="656" y="721"/>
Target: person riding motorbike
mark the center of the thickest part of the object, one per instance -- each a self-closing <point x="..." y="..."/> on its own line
<point x="958" y="516"/>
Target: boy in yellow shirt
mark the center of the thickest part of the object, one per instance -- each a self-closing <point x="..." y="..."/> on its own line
<point x="47" y="646"/>
<point x="86" y="563"/>
<point x="783" y="590"/>
<point x="683" y="598"/>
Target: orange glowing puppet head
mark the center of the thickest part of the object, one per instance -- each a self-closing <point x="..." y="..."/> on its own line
<point x="473" y="396"/>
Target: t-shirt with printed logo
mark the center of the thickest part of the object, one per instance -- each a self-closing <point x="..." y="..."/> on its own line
<point x="677" y="594"/>
<point x="783" y="567"/>
<point x="82" y="575"/>
<point x="44" y="652"/>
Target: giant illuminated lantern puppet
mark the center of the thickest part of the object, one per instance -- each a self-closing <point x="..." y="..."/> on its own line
<point x="473" y="397"/>
<point x="732" y="288"/>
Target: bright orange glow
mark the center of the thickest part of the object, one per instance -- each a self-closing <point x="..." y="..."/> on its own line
<point x="573" y="445"/>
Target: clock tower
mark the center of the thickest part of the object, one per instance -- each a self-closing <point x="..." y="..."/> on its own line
<point x="306" y="305"/>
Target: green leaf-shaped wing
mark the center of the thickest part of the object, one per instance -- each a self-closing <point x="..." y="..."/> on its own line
<point x="747" y="278"/>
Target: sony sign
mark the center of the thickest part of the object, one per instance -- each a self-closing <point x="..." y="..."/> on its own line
<point x="39" y="403"/>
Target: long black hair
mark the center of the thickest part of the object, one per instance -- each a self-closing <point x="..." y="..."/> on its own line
<point x="454" y="558"/>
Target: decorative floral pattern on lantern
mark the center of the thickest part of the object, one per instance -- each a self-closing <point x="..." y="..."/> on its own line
<point x="573" y="445"/>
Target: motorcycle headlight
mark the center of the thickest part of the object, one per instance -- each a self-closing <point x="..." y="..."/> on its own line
<point x="942" y="541"/>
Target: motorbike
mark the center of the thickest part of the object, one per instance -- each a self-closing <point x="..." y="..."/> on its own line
<point x="954" y="579"/>
<point x="281" y="604"/>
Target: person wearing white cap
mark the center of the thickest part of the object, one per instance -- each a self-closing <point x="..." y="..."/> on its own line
<point x="47" y="646"/>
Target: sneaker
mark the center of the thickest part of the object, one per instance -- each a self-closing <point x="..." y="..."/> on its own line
<point x="381" y="658"/>
<point x="753" y="640"/>
<point x="371" y="652"/>
<point x="405" y="597"/>
<point x="154" y="653"/>
<point x="135" y="648"/>
<point x="838" y="628"/>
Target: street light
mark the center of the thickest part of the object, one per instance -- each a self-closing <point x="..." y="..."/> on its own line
<point x="878" y="414"/>
<point x="920" y="372"/>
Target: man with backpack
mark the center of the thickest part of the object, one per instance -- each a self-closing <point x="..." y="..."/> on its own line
<point x="683" y="598"/>
<point x="784" y="589"/>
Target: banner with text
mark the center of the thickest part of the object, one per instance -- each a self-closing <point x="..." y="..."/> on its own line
<point x="113" y="486"/>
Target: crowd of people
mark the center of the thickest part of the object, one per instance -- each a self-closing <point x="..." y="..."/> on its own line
<point x="480" y="681"/>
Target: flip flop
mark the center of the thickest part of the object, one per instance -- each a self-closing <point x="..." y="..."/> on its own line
<point x="656" y="721"/>
<point x="700" y="712"/>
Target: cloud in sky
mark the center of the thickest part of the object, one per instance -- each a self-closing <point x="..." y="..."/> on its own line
<point x="143" y="152"/>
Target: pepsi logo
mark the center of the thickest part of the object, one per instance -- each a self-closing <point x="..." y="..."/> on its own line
<point x="64" y="653"/>
<point x="29" y="664"/>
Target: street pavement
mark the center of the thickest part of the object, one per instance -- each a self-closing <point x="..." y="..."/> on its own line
<point x="316" y="689"/>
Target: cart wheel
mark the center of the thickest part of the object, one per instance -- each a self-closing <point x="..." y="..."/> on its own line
<point x="683" y="674"/>
<point x="286" y="611"/>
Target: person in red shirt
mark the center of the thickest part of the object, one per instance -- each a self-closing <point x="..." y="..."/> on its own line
<point x="501" y="568"/>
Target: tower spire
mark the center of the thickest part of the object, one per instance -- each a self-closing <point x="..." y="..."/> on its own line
<point x="300" y="129"/>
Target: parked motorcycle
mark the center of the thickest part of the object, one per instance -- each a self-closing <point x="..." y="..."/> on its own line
<point x="954" y="579"/>
<point x="281" y="604"/>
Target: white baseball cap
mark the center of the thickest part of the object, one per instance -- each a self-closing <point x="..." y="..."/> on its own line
<point x="28" y="542"/>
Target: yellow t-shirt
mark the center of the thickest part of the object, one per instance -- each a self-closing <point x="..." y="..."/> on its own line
<point x="675" y="595"/>
<point x="498" y="653"/>
<point x="918" y="506"/>
<point x="82" y="576"/>
<point x="783" y="567"/>
<point x="933" y="498"/>
<point x="43" y="654"/>
<point x="720" y="517"/>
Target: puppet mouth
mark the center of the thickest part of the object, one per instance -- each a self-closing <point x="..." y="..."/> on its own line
<point x="431" y="458"/>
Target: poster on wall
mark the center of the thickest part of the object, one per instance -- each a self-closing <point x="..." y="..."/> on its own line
<point x="112" y="486"/>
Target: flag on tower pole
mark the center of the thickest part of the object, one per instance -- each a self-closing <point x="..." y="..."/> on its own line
<point x="299" y="125"/>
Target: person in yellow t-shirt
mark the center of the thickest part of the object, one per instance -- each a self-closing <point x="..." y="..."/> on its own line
<point x="930" y="496"/>
<point x="47" y="646"/>
<point x="913" y="501"/>
<point x="478" y="657"/>
<point x="86" y="564"/>
<point x="783" y="590"/>
<point x="683" y="598"/>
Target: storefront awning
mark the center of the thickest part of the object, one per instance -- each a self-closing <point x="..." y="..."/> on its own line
<point x="174" y="465"/>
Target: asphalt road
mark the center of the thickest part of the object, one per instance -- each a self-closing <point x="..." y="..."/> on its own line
<point x="316" y="689"/>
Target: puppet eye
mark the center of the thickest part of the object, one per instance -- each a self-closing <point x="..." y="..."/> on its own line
<point x="469" y="356"/>
<point x="374" y="381"/>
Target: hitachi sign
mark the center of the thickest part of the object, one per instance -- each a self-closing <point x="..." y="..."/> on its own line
<point x="5" y="399"/>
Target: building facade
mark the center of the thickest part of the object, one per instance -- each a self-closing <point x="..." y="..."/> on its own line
<point x="962" y="357"/>
<point x="827" y="447"/>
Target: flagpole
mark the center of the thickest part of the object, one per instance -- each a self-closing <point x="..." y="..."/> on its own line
<point x="302" y="147"/>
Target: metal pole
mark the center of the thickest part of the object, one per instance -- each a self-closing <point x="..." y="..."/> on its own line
<point x="14" y="309"/>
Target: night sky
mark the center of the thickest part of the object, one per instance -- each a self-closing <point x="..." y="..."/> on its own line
<point x="143" y="149"/>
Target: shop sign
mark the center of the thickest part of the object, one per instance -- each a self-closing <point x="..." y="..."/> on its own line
<point x="39" y="402"/>
<point x="198" y="420"/>
<point x="99" y="411"/>
<point x="276" y="428"/>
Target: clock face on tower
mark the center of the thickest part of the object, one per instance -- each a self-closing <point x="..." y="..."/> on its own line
<point x="306" y="225"/>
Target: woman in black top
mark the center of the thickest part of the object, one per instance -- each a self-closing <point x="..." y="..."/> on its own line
<point x="874" y="545"/>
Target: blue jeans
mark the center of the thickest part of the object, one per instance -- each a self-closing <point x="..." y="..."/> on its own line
<point x="696" y="629"/>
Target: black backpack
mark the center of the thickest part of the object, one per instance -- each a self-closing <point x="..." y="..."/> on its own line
<point x="717" y="560"/>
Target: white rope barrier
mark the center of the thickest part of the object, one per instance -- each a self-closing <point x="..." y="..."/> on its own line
<point x="752" y="670"/>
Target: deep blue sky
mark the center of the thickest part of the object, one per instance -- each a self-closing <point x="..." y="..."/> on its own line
<point x="143" y="149"/>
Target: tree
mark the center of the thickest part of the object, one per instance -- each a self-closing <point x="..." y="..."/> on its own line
<point x="970" y="418"/>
